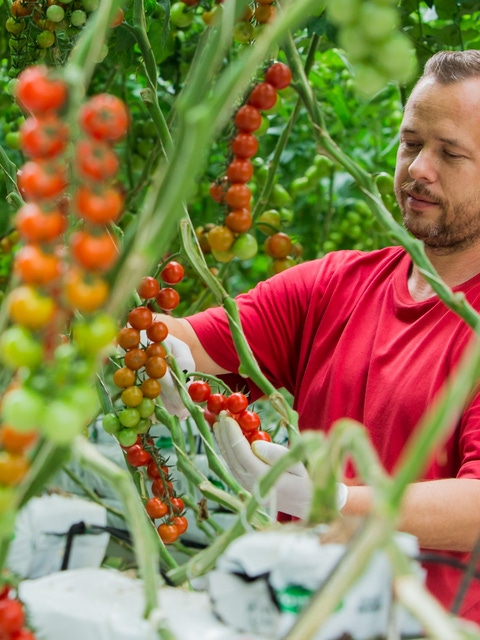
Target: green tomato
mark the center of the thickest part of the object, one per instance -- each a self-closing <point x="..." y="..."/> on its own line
<point x="146" y="407"/>
<point x="342" y="12"/>
<point x="280" y="196"/>
<point x="243" y="32"/>
<point x="62" y="422"/>
<point x="245" y="246"/>
<point x="269" y="222"/>
<point x="129" y="417"/>
<point x="127" y="437"/>
<point x="276" y="107"/>
<point x="55" y="13"/>
<point x="18" y="348"/>
<point x="384" y="182"/>
<point x="110" y="423"/>
<point x="377" y="23"/>
<point x="180" y="15"/>
<point x="263" y="128"/>
<point x="12" y="139"/>
<point x="300" y="185"/>
<point x="23" y="409"/>
<point x="15" y="27"/>
<point x="396" y="58"/>
<point x="78" y="18"/>
<point x="90" y="5"/>
<point x="85" y="398"/>
<point x="143" y="426"/>
<point x="93" y="337"/>
<point x="45" y="39"/>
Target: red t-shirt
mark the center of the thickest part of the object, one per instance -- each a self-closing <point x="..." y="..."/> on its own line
<point x="344" y="336"/>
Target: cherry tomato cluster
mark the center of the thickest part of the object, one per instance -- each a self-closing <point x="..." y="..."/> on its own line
<point x="256" y="14"/>
<point x="12" y="618"/>
<point x="235" y="404"/>
<point x="51" y="287"/>
<point x="35" y="26"/>
<point x="231" y="239"/>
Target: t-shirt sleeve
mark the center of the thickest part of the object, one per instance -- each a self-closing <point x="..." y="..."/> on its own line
<point x="272" y="316"/>
<point x="469" y="441"/>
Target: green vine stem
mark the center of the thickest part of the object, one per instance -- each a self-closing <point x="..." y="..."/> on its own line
<point x="248" y="365"/>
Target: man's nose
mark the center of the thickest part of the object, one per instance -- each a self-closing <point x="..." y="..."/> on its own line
<point x="423" y="167"/>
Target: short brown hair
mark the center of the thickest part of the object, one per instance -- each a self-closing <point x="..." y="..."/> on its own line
<point x="453" y="66"/>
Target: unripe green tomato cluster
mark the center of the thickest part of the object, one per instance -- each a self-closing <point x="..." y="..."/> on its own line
<point x="354" y="228"/>
<point x="368" y="32"/>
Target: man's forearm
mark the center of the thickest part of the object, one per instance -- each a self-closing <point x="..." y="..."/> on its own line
<point x="442" y="514"/>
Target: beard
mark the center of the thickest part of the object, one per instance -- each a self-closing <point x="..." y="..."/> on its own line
<point x="456" y="228"/>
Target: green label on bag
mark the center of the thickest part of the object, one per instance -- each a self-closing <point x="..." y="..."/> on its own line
<point x="293" y="599"/>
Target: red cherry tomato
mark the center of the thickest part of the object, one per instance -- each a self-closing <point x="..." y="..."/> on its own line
<point x="279" y="245"/>
<point x="237" y="402"/>
<point x="157" y="331"/>
<point x="239" y="170"/>
<point x="199" y="391"/>
<point x="278" y="75"/>
<point x="41" y="180"/>
<point x="136" y="456"/>
<point x="94" y="252"/>
<point x="96" y="160"/>
<point x="172" y="273"/>
<point x="168" y="533"/>
<point x="43" y="137"/>
<point x="104" y="117"/>
<point x="238" y="196"/>
<point x="259" y="435"/>
<point x="181" y="523"/>
<point x="37" y="225"/>
<point x="263" y="96"/>
<point x="177" y="504"/>
<point x="38" y="92"/>
<point x="244" y="145"/>
<point x="99" y="206"/>
<point x="156" y="508"/>
<point x="148" y="287"/>
<point x="167" y="298"/>
<point x="128" y="338"/>
<point x="239" y="220"/>
<point x="140" y="318"/>
<point x="248" y="118"/>
<point x="249" y="421"/>
<point x="12" y="616"/>
<point x="216" y="402"/>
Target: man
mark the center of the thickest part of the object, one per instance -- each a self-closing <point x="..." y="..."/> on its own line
<point x="363" y="335"/>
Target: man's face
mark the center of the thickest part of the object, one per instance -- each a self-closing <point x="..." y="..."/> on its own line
<point x="437" y="177"/>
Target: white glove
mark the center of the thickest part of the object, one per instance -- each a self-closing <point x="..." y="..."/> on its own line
<point x="293" y="490"/>
<point x="184" y="359"/>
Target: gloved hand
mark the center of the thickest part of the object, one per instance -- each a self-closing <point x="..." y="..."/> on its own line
<point x="293" y="490"/>
<point x="184" y="359"/>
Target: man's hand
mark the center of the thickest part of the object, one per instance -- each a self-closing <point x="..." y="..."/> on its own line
<point x="248" y="463"/>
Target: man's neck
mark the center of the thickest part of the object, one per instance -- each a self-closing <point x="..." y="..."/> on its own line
<point x="454" y="269"/>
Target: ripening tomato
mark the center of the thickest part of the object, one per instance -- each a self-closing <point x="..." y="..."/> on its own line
<point x="132" y="396"/>
<point x="99" y="206"/>
<point x="244" y="145"/>
<point x="104" y="117"/>
<point x="278" y="75"/>
<point x="41" y="180"/>
<point x="217" y="190"/>
<point x="128" y="338"/>
<point x="151" y="388"/>
<point x="282" y="264"/>
<point x="199" y="390"/>
<point x="148" y="287"/>
<point x="172" y="273"/>
<point x="85" y="292"/>
<point x="94" y="252"/>
<point x="37" y="225"/>
<point x="263" y="96"/>
<point x="12" y="616"/>
<point x="167" y="298"/>
<point x="135" y="359"/>
<point x="156" y="349"/>
<point x="29" y="308"/>
<point x="13" y="467"/>
<point x="140" y="318"/>
<point x="237" y="402"/>
<point x="156" y="508"/>
<point x="37" y="91"/>
<point x="168" y="533"/>
<point x="278" y="245"/>
<point x="239" y="171"/>
<point x="96" y="160"/>
<point x="248" y="118"/>
<point x="157" y="331"/>
<point x="16" y="441"/>
<point x="156" y="367"/>
<point x="264" y="14"/>
<point x="238" y="220"/>
<point x="124" y="377"/>
<point x="44" y="136"/>
<point x="161" y="488"/>
<point x="34" y="266"/>
<point x="220" y="238"/>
